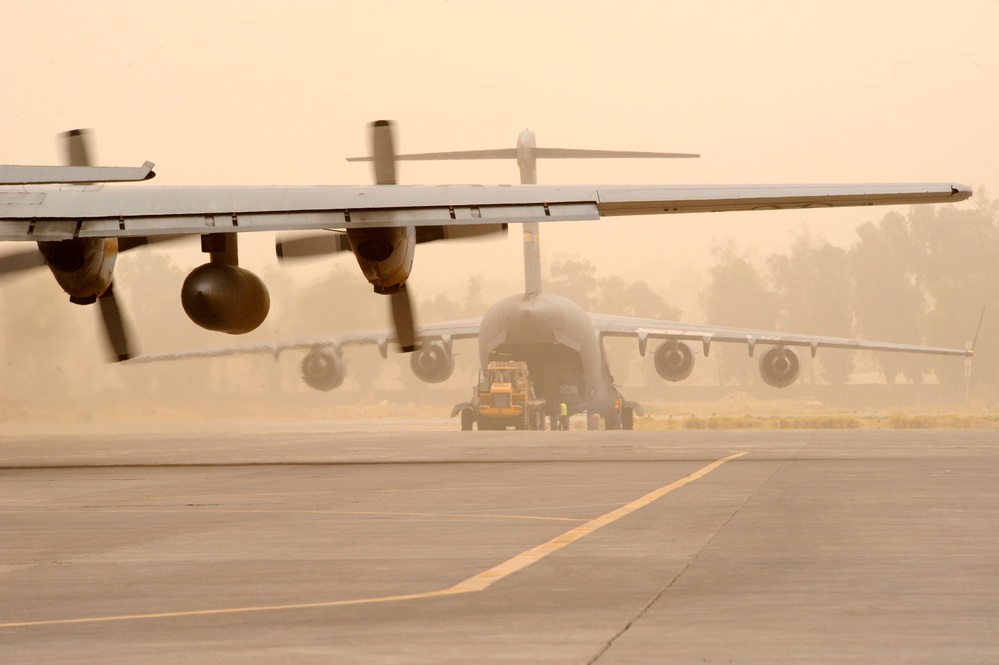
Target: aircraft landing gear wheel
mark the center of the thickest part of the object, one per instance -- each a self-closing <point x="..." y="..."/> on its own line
<point x="627" y="418"/>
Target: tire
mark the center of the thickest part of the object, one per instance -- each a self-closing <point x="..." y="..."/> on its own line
<point x="467" y="419"/>
<point x="627" y="418"/>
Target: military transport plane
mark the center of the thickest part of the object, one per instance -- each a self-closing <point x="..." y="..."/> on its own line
<point x="562" y="344"/>
<point x="80" y="220"/>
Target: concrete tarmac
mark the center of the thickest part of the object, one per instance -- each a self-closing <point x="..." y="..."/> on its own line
<point x="283" y="543"/>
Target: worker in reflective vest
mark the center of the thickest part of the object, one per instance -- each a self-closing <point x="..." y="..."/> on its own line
<point x="563" y="416"/>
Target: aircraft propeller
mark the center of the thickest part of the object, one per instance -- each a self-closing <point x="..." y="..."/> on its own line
<point x="21" y="261"/>
<point x="116" y="329"/>
<point x="383" y="156"/>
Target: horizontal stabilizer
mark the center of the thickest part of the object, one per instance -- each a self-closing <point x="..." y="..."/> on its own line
<point x="541" y="153"/>
<point x="572" y="153"/>
<point x="505" y="153"/>
<point x="67" y="175"/>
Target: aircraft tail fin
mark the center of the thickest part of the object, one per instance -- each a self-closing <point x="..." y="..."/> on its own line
<point x="532" y="258"/>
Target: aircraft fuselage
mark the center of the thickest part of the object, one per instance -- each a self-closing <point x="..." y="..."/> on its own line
<point x="560" y="345"/>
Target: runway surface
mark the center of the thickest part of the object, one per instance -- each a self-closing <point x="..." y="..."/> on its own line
<point x="310" y="544"/>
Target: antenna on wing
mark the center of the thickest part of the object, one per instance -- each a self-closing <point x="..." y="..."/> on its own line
<point x="527" y="154"/>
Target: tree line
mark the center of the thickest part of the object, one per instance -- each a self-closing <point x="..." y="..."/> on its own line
<point x="919" y="277"/>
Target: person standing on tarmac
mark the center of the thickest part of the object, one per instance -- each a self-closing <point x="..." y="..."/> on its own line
<point x="563" y="417"/>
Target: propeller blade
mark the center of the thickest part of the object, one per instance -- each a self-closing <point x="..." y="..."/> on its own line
<point x="383" y="156"/>
<point x="77" y="151"/>
<point x="432" y="233"/>
<point x="128" y="243"/>
<point x="405" y="323"/>
<point x="383" y="152"/>
<point x="26" y="260"/>
<point x="318" y="245"/>
<point x="115" y="326"/>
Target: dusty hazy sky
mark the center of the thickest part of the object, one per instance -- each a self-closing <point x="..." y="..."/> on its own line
<point x="257" y="93"/>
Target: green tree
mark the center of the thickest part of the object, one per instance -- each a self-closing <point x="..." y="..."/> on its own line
<point x="889" y="301"/>
<point x="739" y="296"/>
<point x="575" y="280"/>
<point x="633" y="299"/>
<point x="814" y="294"/>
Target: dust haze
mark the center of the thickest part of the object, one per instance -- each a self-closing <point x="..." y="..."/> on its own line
<point x="775" y="92"/>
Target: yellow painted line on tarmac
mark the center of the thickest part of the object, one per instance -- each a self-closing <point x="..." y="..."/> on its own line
<point x="475" y="583"/>
<point x="489" y="577"/>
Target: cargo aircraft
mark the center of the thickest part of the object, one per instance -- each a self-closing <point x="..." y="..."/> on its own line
<point x="561" y="343"/>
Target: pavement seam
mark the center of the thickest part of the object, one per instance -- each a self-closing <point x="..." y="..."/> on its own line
<point x="687" y="567"/>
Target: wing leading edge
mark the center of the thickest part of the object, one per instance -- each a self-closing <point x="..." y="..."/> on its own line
<point x="46" y="213"/>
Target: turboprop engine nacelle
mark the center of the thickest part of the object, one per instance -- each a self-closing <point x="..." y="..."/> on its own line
<point x="779" y="367"/>
<point x="83" y="267"/>
<point x="674" y="361"/>
<point x="385" y="255"/>
<point x="433" y="363"/>
<point x="323" y="369"/>
<point x="226" y="298"/>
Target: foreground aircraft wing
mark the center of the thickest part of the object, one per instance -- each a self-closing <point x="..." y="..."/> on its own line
<point x="446" y="332"/>
<point x="64" y="212"/>
<point x="646" y="329"/>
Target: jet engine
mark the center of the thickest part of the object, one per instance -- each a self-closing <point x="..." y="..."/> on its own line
<point x="226" y="298"/>
<point x="433" y="362"/>
<point x="674" y="361"/>
<point x="779" y="367"/>
<point x="323" y="369"/>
